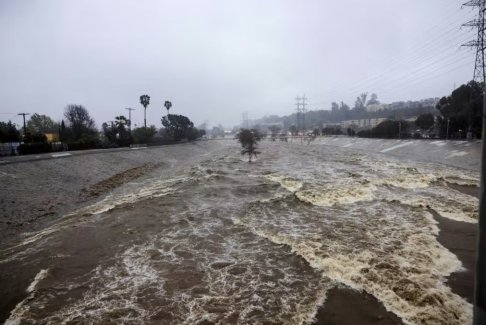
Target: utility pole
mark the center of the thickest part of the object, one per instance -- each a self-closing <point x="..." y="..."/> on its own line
<point x="304" y="104"/>
<point x="447" y="130"/>
<point x="23" y="114"/>
<point x="300" y="103"/>
<point x="479" y="313"/>
<point x="297" y="109"/>
<point x="130" y="120"/>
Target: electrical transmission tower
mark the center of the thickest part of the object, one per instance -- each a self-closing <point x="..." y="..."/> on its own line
<point x="130" y="120"/>
<point x="304" y="110"/>
<point x="300" y="103"/>
<point x="479" y="43"/>
<point x="297" y="109"/>
<point x="245" y="120"/>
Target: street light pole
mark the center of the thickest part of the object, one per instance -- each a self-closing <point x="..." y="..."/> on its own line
<point x="447" y="132"/>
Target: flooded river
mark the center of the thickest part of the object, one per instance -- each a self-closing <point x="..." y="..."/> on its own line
<point x="220" y="241"/>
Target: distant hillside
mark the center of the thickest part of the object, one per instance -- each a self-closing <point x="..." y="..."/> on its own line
<point x="318" y="118"/>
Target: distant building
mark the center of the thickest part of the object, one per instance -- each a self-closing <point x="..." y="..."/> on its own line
<point x="428" y="102"/>
<point x="330" y="125"/>
<point x="375" y="107"/>
<point x="366" y="123"/>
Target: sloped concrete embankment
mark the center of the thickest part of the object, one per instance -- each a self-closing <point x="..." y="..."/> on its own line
<point x="37" y="193"/>
<point x="462" y="154"/>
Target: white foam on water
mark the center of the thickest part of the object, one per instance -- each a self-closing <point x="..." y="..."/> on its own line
<point x="112" y="201"/>
<point x="447" y="202"/>
<point x="39" y="277"/>
<point x="336" y="195"/>
<point x="191" y="274"/>
<point x="200" y="266"/>
<point x="426" y="188"/>
<point x="115" y="292"/>
<point x="409" y="181"/>
<point x="17" y="314"/>
<point x="405" y="269"/>
<point x="290" y="184"/>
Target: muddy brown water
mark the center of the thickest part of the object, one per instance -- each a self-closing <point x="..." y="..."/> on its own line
<point x="222" y="241"/>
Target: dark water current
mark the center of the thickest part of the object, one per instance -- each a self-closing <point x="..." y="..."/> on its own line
<point x="223" y="242"/>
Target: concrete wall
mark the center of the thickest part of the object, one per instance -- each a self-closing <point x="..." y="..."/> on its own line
<point x="463" y="154"/>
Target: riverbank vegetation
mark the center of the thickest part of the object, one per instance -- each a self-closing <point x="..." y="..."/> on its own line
<point x="455" y="116"/>
<point x="78" y="130"/>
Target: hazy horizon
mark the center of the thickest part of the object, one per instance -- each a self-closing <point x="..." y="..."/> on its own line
<point x="216" y="60"/>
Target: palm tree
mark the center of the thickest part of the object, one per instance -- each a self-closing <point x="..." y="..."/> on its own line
<point x="168" y="105"/>
<point x="120" y="122"/>
<point x="145" y="101"/>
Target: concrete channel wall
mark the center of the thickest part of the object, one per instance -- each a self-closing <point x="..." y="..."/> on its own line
<point x="463" y="154"/>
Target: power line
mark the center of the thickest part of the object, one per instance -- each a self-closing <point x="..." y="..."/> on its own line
<point x="416" y="56"/>
<point x="422" y="71"/>
<point x="427" y="77"/>
<point x="415" y="52"/>
<point x="416" y="59"/>
<point x="424" y="67"/>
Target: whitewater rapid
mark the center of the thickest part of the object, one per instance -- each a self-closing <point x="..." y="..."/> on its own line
<point x="226" y="241"/>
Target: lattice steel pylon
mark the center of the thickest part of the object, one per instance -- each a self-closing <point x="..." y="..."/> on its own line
<point x="479" y="43"/>
<point x="300" y="103"/>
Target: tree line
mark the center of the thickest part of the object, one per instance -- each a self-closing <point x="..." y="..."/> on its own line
<point x="78" y="130"/>
<point x="455" y="116"/>
<point x="458" y="116"/>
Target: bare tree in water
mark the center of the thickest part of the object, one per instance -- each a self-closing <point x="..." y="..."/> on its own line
<point x="249" y="140"/>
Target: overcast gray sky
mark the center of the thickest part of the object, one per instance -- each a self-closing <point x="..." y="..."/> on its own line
<point x="217" y="59"/>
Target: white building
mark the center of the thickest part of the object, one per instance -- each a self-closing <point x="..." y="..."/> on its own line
<point x="366" y="123"/>
<point x="375" y="107"/>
